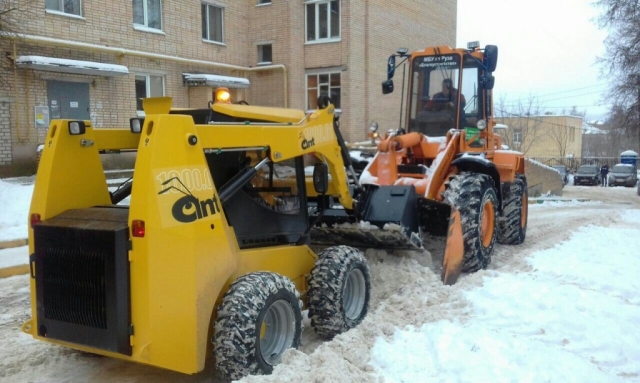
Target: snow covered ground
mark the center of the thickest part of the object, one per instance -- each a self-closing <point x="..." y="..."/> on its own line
<point x="561" y="307"/>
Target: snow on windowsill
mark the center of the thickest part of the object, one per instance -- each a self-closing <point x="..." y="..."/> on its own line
<point x="263" y="4"/>
<point x="142" y="28"/>
<point x="69" y="15"/>
<point x="323" y="41"/>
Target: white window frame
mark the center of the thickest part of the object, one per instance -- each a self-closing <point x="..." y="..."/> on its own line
<point x="261" y="55"/>
<point x="147" y="83"/>
<point x="145" y="12"/>
<point x="328" y="39"/>
<point x="222" y="9"/>
<point x="60" y="10"/>
<point x="317" y="74"/>
<point x="517" y="136"/>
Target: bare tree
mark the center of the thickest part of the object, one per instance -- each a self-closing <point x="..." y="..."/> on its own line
<point x="560" y="136"/>
<point x="622" y="61"/>
<point x="520" y="117"/>
<point x="13" y="17"/>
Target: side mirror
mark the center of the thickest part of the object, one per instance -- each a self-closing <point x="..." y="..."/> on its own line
<point x="488" y="81"/>
<point x="387" y="86"/>
<point x="321" y="178"/>
<point x="391" y="67"/>
<point x="491" y="57"/>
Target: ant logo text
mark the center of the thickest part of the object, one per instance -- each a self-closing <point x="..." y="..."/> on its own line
<point x="189" y="208"/>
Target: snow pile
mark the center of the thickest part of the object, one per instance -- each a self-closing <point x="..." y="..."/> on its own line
<point x="15" y="200"/>
<point x="568" y="314"/>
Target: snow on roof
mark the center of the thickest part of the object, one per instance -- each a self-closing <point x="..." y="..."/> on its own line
<point x="53" y="64"/>
<point x="629" y="153"/>
<point x="216" y="80"/>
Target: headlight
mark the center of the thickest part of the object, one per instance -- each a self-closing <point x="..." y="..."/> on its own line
<point x="76" y="128"/>
<point x="482" y="124"/>
<point x="374" y="127"/>
<point x="135" y="124"/>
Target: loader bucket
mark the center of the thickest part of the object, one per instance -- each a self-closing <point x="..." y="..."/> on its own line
<point x="442" y="237"/>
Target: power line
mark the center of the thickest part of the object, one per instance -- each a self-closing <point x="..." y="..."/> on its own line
<point x="562" y="98"/>
<point x="555" y="93"/>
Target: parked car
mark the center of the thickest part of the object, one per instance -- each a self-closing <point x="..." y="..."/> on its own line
<point x="587" y="175"/>
<point x="564" y="173"/>
<point x="623" y="174"/>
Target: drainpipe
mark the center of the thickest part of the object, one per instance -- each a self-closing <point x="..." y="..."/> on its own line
<point x="121" y="52"/>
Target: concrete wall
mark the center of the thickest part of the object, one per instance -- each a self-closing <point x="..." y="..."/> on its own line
<point x="542" y="179"/>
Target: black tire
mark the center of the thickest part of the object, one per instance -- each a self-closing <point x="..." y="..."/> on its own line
<point x="339" y="290"/>
<point x="512" y="223"/>
<point x="469" y="193"/>
<point x="251" y="304"/>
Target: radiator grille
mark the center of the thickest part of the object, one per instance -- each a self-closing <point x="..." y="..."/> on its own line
<point x="74" y="287"/>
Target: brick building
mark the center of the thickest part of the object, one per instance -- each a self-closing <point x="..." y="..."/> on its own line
<point x="95" y="59"/>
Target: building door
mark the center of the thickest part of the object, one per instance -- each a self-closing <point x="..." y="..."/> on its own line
<point x="68" y="100"/>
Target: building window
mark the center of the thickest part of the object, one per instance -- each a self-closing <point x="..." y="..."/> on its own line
<point x="323" y="83"/>
<point x="148" y="85"/>
<point x="265" y="54"/>
<point x="517" y="136"/>
<point x="260" y="2"/>
<point x="148" y="13"/>
<point x="72" y="7"/>
<point x="212" y="23"/>
<point x="572" y="133"/>
<point x="323" y="20"/>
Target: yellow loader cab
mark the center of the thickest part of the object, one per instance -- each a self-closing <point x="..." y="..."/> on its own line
<point x="212" y="248"/>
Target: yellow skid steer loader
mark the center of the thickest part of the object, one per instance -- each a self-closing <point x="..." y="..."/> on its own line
<point x="206" y="247"/>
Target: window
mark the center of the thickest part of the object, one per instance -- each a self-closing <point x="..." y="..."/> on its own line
<point x="323" y="20"/>
<point x="323" y="83"/>
<point x="572" y="133"/>
<point x="148" y="13"/>
<point x="260" y="2"/>
<point x="212" y="23"/>
<point x="517" y="136"/>
<point x="148" y="86"/>
<point x="71" y="7"/>
<point x="264" y="54"/>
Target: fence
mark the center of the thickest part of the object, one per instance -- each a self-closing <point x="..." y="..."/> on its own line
<point x="574" y="163"/>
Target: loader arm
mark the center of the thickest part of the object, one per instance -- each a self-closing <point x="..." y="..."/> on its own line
<point x="314" y="135"/>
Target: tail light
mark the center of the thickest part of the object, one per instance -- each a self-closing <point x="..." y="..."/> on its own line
<point x="34" y="218"/>
<point x="137" y="228"/>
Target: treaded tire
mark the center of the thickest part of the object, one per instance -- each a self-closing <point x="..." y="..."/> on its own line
<point x="512" y="231"/>
<point x="469" y="192"/>
<point x="240" y="321"/>
<point x="339" y="290"/>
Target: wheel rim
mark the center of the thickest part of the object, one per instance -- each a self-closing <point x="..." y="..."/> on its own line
<point x="276" y="331"/>
<point x="487" y="225"/>
<point x="354" y="294"/>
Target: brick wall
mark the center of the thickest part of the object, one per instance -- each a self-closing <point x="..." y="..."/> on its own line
<point x="542" y="179"/>
<point x="5" y="130"/>
<point x="370" y="31"/>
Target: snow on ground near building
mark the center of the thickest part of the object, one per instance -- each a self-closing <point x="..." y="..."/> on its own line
<point x="562" y="307"/>
<point x="14" y="210"/>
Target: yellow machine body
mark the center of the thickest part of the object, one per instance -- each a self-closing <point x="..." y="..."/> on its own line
<point x="178" y="271"/>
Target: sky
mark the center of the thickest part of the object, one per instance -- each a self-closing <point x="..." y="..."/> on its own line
<point x="546" y="49"/>
<point x="567" y="313"/>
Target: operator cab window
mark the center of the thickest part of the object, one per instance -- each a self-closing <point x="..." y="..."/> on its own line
<point x="269" y="209"/>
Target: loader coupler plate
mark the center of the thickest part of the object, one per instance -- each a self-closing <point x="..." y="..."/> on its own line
<point x="364" y="235"/>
